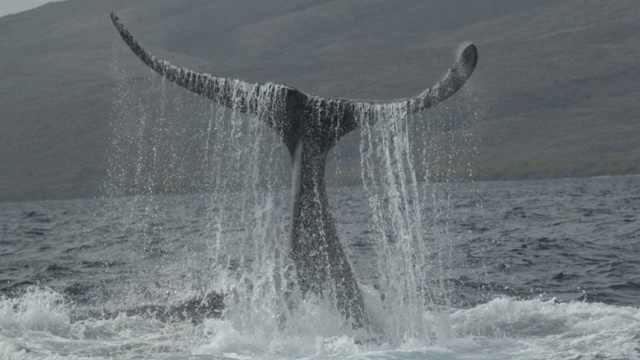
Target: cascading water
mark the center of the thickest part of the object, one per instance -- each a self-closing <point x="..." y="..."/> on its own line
<point x="412" y="246"/>
<point x="402" y="253"/>
<point x="167" y="142"/>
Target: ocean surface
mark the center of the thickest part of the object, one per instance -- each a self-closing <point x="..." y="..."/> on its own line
<point x="544" y="269"/>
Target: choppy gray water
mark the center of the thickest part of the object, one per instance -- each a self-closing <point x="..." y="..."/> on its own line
<point x="532" y="270"/>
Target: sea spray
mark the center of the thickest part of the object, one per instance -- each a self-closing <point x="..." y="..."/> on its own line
<point x="37" y="309"/>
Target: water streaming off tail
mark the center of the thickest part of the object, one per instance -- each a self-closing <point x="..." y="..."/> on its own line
<point x="167" y="141"/>
<point x="406" y="162"/>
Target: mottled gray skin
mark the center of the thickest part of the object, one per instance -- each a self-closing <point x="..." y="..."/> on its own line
<point x="310" y="126"/>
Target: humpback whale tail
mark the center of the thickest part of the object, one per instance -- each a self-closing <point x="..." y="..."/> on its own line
<point x="341" y="114"/>
<point x="309" y="126"/>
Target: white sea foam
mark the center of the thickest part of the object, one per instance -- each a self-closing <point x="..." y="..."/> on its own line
<point x="37" y="310"/>
<point x="36" y="325"/>
<point x="550" y="330"/>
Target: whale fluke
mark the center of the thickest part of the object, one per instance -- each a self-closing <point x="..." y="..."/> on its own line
<point x="225" y="90"/>
<point x="309" y="126"/>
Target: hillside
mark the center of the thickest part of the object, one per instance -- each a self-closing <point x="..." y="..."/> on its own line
<point x="557" y="82"/>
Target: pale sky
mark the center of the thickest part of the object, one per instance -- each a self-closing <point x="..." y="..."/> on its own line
<point x="14" y="6"/>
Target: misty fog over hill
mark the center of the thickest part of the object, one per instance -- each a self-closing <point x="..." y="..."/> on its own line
<point x="557" y="82"/>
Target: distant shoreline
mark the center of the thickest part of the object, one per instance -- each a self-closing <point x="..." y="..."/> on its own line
<point x="99" y="196"/>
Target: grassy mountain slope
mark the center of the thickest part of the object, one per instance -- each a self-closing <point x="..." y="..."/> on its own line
<point x="558" y="81"/>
